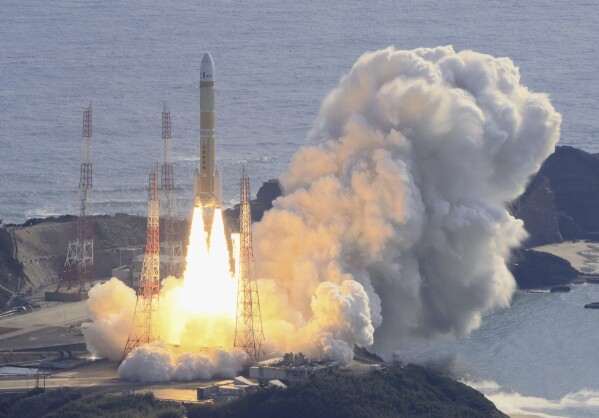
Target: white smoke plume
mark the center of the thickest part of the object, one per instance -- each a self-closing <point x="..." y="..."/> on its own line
<point x="111" y="306"/>
<point x="394" y="217"/>
<point x="393" y="223"/>
<point x="156" y="363"/>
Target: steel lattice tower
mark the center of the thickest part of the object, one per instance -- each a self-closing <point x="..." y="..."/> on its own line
<point x="171" y="247"/>
<point x="79" y="265"/>
<point x="148" y="294"/>
<point x="249" y="335"/>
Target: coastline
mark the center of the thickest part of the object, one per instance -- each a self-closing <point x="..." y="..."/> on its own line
<point x="582" y="255"/>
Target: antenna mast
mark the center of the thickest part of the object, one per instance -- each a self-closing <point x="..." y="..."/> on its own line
<point x="171" y="247"/>
<point x="79" y="265"/>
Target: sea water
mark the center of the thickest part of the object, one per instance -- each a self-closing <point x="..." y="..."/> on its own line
<point x="275" y="61"/>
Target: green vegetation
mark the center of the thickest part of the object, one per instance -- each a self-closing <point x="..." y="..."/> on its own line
<point x="36" y="403"/>
<point x="412" y="391"/>
<point x="128" y="406"/>
<point x="67" y="403"/>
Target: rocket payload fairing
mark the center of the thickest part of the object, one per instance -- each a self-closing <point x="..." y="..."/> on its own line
<point x="208" y="181"/>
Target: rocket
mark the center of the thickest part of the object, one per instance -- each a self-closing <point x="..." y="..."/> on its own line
<point x="207" y="179"/>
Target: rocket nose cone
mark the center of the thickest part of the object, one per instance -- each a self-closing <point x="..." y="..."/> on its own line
<point x="207" y="68"/>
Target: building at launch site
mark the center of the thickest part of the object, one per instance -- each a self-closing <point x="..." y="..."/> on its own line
<point x="291" y="368"/>
<point x="227" y="390"/>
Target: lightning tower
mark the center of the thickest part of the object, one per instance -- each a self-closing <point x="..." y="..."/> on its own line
<point x="79" y="265"/>
<point x="148" y="294"/>
<point x="249" y="335"/>
<point x="171" y="248"/>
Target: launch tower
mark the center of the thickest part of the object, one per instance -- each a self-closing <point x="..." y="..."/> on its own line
<point x="171" y="256"/>
<point x="79" y="266"/>
<point x="148" y="294"/>
<point x="249" y="335"/>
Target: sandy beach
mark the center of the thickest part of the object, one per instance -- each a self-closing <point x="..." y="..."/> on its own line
<point x="524" y="416"/>
<point x="583" y="255"/>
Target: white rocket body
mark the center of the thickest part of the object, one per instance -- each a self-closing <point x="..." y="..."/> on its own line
<point x="208" y="181"/>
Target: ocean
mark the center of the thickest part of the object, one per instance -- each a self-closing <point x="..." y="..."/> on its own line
<point x="537" y="357"/>
<point x="275" y="61"/>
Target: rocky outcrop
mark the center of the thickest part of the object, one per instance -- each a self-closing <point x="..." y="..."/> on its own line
<point x="10" y="268"/>
<point x="536" y="269"/>
<point x="565" y="192"/>
<point x="36" y="251"/>
<point x="537" y="209"/>
<point x="269" y="191"/>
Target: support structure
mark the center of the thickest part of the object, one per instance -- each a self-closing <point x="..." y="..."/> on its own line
<point x="249" y="335"/>
<point x="148" y="294"/>
<point x="79" y="266"/>
<point x="171" y="248"/>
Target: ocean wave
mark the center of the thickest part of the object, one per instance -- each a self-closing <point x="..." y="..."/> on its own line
<point x="45" y="213"/>
<point x="579" y="404"/>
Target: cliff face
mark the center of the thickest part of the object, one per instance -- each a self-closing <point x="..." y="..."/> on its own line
<point x="536" y="269"/>
<point x="537" y="209"/>
<point x="10" y="268"/>
<point x="37" y="251"/>
<point x="269" y="191"/>
<point x="565" y="193"/>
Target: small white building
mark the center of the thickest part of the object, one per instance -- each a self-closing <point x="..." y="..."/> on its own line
<point x="227" y="390"/>
<point x="276" y="384"/>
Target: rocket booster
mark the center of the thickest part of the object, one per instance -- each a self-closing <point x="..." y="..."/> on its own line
<point x="208" y="181"/>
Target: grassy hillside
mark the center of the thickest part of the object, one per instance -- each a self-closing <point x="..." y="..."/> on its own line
<point x="412" y="391"/>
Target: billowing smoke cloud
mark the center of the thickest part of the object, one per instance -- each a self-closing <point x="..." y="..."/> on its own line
<point x="111" y="306"/>
<point x="394" y="217"/>
<point x="393" y="223"/>
<point x="156" y="363"/>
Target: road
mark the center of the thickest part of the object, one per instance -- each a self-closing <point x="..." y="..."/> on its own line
<point x="44" y="326"/>
<point x="101" y="377"/>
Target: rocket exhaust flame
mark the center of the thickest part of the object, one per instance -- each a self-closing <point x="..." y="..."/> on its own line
<point x="208" y="285"/>
<point x="207" y="294"/>
<point x="197" y="317"/>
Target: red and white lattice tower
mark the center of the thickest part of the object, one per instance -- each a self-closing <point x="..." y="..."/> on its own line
<point x="79" y="265"/>
<point x="148" y="294"/>
<point x="249" y="335"/>
<point x="171" y="248"/>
